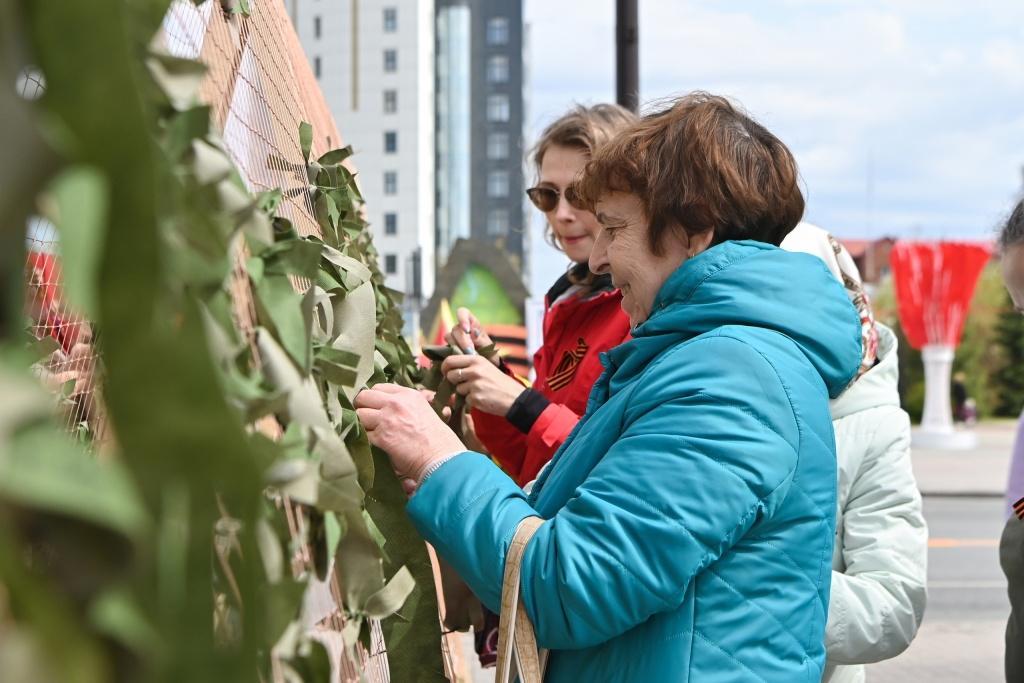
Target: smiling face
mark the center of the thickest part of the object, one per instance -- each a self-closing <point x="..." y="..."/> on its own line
<point x="623" y="249"/>
<point x="1012" y="265"/>
<point x="574" y="228"/>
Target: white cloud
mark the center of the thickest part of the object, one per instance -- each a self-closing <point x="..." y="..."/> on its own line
<point x="1006" y="61"/>
<point x="927" y="93"/>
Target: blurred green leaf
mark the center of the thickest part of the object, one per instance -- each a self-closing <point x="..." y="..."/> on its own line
<point x="335" y="156"/>
<point x="293" y="257"/>
<point x="179" y="79"/>
<point x="297" y="479"/>
<point x="304" y="402"/>
<point x="390" y="599"/>
<point x="283" y="603"/>
<point x="413" y="634"/>
<point x="80" y="194"/>
<point x="279" y="311"/>
<point x="211" y="166"/>
<point x="312" y="661"/>
<point x="42" y="468"/>
<point x="51" y="620"/>
<point x="268" y="201"/>
<point x="117" y="614"/>
<point x="270" y="551"/>
<point x="305" y="139"/>
<point x="189" y="125"/>
<point x="23" y="658"/>
<point x="358" y="562"/>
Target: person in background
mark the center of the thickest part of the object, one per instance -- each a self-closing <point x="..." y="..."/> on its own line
<point x="689" y="517"/>
<point x="879" y="564"/>
<point x="960" y="397"/>
<point x="522" y="427"/>
<point x="1011" y="544"/>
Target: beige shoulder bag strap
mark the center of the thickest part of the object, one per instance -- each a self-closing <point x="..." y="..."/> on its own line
<point x="517" y="643"/>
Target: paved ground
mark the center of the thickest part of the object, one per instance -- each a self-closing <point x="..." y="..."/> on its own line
<point x="980" y="471"/>
<point x="962" y="636"/>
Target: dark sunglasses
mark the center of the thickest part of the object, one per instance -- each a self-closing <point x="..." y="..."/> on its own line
<point x="546" y="198"/>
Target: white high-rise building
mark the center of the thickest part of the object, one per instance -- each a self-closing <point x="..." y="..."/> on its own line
<point x="374" y="60"/>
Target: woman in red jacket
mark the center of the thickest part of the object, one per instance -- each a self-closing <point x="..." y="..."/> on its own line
<point x="522" y="427"/>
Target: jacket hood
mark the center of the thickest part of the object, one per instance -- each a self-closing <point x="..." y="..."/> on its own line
<point x="879" y="386"/>
<point x="752" y="284"/>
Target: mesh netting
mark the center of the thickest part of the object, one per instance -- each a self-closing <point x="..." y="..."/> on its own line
<point x="259" y="87"/>
<point x="70" y="367"/>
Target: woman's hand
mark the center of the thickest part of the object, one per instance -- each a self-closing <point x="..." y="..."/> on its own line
<point x="485" y="387"/>
<point x="401" y="422"/>
<point x="469" y="334"/>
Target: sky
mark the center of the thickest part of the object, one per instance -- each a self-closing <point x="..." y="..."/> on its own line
<point x="906" y="117"/>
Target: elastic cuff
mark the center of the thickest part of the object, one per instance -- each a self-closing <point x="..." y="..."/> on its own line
<point x="434" y="467"/>
<point x="526" y="409"/>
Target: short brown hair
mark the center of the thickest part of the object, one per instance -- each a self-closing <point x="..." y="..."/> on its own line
<point x="700" y="164"/>
<point x="583" y="128"/>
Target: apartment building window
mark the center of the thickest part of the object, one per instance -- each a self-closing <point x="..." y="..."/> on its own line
<point x="390" y="141"/>
<point x="390" y="182"/>
<point x="390" y="61"/>
<point x="317" y="27"/>
<point x="497" y="184"/>
<point x="497" y="31"/>
<point x="497" y="222"/>
<point x="391" y="224"/>
<point x="390" y="20"/>
<point x="390" y="101"/>
<point x="390" y="264"/>
<point x="497" y="108"/>
<point x="497" y="69"/>
<point x="316" y="67"/>
<point x="497" y="146"/>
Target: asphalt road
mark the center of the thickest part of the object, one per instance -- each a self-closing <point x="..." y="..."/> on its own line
<point x="962" y="635"/>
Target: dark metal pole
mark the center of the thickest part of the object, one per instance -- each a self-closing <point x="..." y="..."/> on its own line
<point x="627" y="55"/>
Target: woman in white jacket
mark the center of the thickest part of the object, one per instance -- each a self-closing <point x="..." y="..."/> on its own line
<point x="880" y="558"/>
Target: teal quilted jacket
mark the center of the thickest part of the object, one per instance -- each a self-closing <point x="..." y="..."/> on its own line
<point x="691" y="511"/>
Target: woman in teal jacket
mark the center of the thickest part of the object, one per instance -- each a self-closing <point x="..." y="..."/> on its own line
<point x="690" y="513"/>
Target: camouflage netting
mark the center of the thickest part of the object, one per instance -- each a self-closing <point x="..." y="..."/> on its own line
<point x="211" y="233"/>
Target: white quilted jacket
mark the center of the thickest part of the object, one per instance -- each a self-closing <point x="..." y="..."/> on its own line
<point x="880" y="558"/>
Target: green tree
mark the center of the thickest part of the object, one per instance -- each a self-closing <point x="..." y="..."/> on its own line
<point x="979" y="356"/>
<point x="1009" y="337"/>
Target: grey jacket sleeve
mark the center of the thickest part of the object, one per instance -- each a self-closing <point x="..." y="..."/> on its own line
<point x="878" y="601"/>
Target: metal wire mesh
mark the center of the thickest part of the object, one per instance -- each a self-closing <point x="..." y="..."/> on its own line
<point x="260" y="87"/>
<point x="70" y="369"/>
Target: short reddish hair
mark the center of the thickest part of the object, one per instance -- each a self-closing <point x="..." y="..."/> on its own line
<point x="700" y="164"/>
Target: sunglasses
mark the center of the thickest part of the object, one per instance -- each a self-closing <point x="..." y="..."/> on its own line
<point x="546" y="198"/>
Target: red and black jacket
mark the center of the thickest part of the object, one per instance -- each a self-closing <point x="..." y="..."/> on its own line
<point x="577" y="329"/>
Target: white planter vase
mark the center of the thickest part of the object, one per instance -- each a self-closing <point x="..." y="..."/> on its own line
<point x="936" y="430"/>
